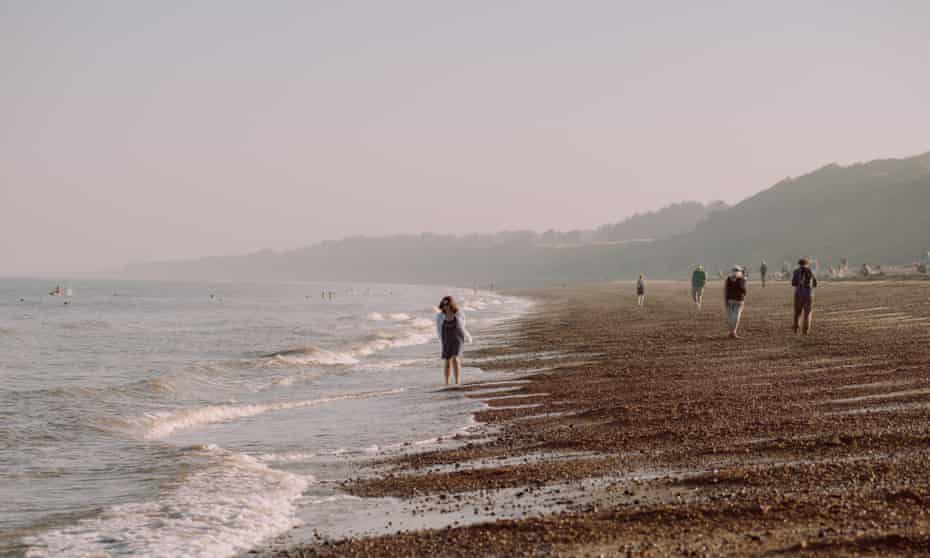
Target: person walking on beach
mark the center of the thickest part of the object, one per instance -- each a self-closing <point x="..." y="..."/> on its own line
<point x="804" y="282"/>
<point x="641" y="291"/>
<point x="763" y="270"/>
<point x="450" y="327"/>
<point x="734" y="293"/>
<point x="698" y="280"/>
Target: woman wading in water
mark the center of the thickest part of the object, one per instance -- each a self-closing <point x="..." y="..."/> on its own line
<point x="450" y="326"/>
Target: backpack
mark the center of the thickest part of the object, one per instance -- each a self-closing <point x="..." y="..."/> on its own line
<point x="805" y="278"/>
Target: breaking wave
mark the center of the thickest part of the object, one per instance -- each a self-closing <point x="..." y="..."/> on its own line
<point x="225" y="508"/>
<point x="312" y="355"/>
<point x="160" y="425"/>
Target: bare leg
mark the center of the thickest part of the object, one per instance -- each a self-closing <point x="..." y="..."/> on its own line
<point x="729" y="310"/>
<point x="733" y="315"/>
<point x="457" y="367"/>
<point x="448" y="362"/>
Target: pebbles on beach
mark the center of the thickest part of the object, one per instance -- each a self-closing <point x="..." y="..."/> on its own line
<point x="678" y="441"/>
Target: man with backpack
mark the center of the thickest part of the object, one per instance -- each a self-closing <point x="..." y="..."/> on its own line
<point x="804" y="282"/>
<point x="763" y="271"/>
<point x="734" y="295"/>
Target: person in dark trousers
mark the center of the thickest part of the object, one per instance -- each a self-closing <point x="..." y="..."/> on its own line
<point x="698" y="280"/>
<point x="804" y="282"/>
<point x="763" y="270"/>
<point x="734" y="293"/>
<point x="641" y="291"/>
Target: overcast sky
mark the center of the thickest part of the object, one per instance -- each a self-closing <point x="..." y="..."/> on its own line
<point x="137" y="131"/>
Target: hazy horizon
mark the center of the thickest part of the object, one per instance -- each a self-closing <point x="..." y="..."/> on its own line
<point x="141" y="132"/>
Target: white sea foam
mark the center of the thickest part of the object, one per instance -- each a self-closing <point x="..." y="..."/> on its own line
<point x="384" y="341"/>
<point x="399" y="316"/>
<point x="311" y="355"/>
<point x="416" y="331"/>
<point x="470" y="425"/>
<point x="232" y="505"/>
<point x="301" y="456"/>
<point x="330" y="499"/>
<point x="390" y="364"/>
<point x="422" y="323"/>
<point x="157" y="426"/>
<point x="289" y="457"/>
<point x="376" y="317"/>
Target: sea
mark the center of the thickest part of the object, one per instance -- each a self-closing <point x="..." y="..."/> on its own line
<point x="144" y="418"/>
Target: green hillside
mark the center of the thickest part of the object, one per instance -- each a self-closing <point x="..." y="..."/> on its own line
<point x="876" y="212"/>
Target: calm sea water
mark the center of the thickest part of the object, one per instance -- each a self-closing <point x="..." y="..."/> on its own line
<point x="171" y="419"/>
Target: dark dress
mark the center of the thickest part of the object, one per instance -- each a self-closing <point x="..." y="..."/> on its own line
<point x="453" y="337"/>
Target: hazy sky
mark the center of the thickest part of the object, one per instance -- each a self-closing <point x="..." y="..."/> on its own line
<point x="151" y="130"/>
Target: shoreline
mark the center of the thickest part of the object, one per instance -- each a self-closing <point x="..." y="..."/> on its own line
<point x="652" y="434"/>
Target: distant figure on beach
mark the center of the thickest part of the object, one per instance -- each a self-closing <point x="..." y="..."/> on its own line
<point x="450" y="327"/>
<point x="763" y="270"/>
<point x="804" y="282"/>
<point x="641" y="291"/>
<point x="734" y="293"/>
<point x="698" y="280"/>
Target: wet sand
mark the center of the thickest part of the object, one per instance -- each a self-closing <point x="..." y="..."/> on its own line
<point x="645" y="431"/>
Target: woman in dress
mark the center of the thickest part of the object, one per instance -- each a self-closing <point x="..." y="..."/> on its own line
<point x="450" y="327"/>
